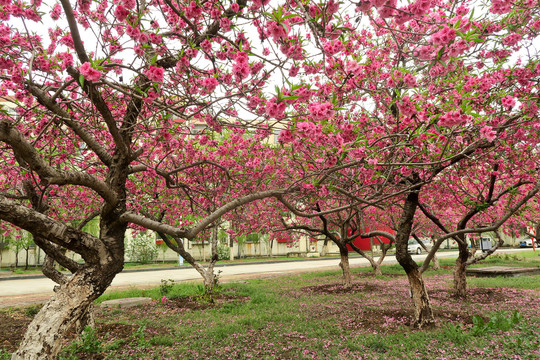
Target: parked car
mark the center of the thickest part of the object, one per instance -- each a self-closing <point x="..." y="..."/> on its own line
<point x="413" y="247"/>
<point x="527" y="243"/>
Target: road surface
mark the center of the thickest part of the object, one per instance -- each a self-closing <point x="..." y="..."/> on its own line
<point x="20" y="290"/>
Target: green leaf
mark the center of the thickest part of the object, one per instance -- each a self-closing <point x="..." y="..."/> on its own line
<point x="81" y="80"/>
<point x="289" y="16"/>
<point x="290" y="97"/>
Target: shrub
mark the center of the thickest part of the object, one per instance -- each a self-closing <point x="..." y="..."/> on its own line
<point x="223" y="252"/>
<point x="142" y="248"/>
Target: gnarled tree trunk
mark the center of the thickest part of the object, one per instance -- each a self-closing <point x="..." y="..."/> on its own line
<point x="460" y="277"/>
<point x="63" y="313"/>
<point x="423" y="313"/>
<point x="345" y="267"/>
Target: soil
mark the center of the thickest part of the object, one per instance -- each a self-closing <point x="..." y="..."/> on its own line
<point x="14" y="322"/>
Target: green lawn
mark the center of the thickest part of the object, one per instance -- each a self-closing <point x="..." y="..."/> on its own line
<point x="309" y="316"/>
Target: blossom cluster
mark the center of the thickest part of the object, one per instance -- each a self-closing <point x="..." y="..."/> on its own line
<point x="453" y="118"/>
<point x="443" y="36"/>
<point x="240" y="67"/>
<point x="320" y="111"/>
<point x="275" y="109"/>
<point x="89" y="72"/>
<point x="154" y="73"/>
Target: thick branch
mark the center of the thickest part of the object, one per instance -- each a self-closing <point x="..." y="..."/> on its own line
<point x="22" y="148"/>
<point x="230" y="206"/>
<point x="100" y="104"/>
<point x="42" y="226"/>
<point x="153" y="225"/>
<point x="74" y="30"/>
<point x="88" y="139"/>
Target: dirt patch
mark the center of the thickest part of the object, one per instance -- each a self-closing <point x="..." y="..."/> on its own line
<point x="477" y="295"/>
<point x="338" y="288"/>
<point x="13" y="325"/>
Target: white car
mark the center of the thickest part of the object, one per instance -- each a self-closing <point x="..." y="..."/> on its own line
<point x="413" y="247"/>
<point x="527" y="243"/>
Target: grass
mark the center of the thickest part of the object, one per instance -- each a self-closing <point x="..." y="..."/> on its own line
<point x="309" y="316"/>
<point x="286" y="318"/>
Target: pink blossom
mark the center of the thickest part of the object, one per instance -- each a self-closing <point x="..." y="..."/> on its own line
<point x="240" y="67"/>
<point x="206" y="46"/>
<point x="89" y="72"/>
<point x="488" y="133"/>
<point x="443" y="36"/>
<point x="293" y="71"/>
<point x="56" y="11"/>
<point x="277" y="31"/>
<point x="84" y="5"/>
<point x="500" y="6"/>
<point x="210" y="84"/>
<point x="275" y="109"/>
<point x="225" y="23"/>
<point x="155" y="38"/>
<point x="453" y="118"/>
<point x="285" y="136"/>
<point x="192" y="11"/>
<point x="405" y="171"/>
<point x="129" y="4"/>
<point x="154" y="73"/>
<point x="321" y="111"/>
<point x="511" y="39"/>
<point x="508" y="102"/>
<point x="121" y="13"/>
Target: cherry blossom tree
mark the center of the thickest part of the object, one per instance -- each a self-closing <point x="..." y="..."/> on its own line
<point x="105" y="105"/>
<point x="426" y="86"/>
<point x="386" y="94"/>
<point x="487" y="194"/>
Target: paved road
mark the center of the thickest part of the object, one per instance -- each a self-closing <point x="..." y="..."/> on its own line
<point x="22" y="290"/>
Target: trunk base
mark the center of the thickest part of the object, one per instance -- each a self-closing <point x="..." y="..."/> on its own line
<point x="423" y="313"/>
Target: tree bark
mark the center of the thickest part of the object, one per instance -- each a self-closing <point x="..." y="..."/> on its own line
<point x="231" y="248"/>
<point x="436" y="265"/>
<point x="324" y="250"/>
<point x="207" y="274"/>
<point x="376" y="268"/>
<point x="344" y="265"/>
<point x="423" y="313"/>
<point x="66" y="311"/>
<point x="460" y="278"/>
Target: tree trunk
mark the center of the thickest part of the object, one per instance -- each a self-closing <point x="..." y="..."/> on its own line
<point x="231" y="248"/>
<point x="344" y="265"/>
<point x="376" y="265"/>
<point x="436" y="265"/>
<point x="324" y="249"/>
<point x="26" y="259"/>
<point x="423" y="313"/>
<point x="66" y="311"/>
<point x="376" y="268"/>
<point x="209" y="279"/>
<point x="460" y="278"/>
